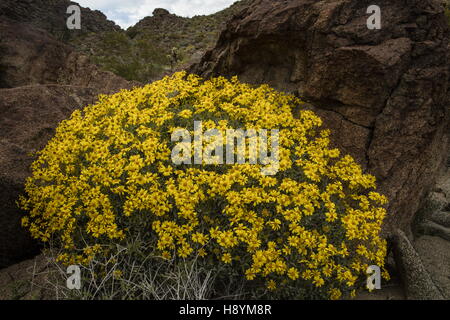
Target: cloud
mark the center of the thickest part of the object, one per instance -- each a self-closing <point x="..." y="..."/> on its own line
<point x="127" y="13"/>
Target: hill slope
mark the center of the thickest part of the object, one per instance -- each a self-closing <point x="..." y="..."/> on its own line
<point x="156" y="45"/>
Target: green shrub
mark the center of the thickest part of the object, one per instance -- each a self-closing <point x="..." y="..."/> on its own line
<point x="106" y="194"/>
<point x="136" y="59"/>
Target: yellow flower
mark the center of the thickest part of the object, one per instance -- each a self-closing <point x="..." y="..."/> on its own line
<point x="275" y="224"/>
<point x="335" y="294"/>
<point x="166" y="255"/>
<point x="202" y="252"/>
<point x="293" y="273"/>
<point x="200" y="238"/>
<point x="271" y="285"/>
<point x="185" y="114"/>
<point x="226" y="258"/>
<point x="117" y="274"/>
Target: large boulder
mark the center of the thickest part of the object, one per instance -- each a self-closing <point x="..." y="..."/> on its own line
<point x="42" y="81"/>
<point x="382" y="92"/>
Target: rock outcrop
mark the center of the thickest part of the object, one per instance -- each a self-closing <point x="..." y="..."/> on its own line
<point x="42" y="81"/>
<point x="418" y="283"/>
<point x="382" y="92"/>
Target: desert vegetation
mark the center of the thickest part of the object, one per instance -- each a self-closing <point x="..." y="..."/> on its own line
<point x="105" y="194"/>
<point x="140" y="60"/>
<point x="145" y="51"/>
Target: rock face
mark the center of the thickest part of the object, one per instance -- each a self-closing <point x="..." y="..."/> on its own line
<point x="28" y="117"/>
<point x="42" y="81"/>
<point x="26" y="54"/>
<point x="382" y="92"/>
<point x="162" y="20"/>
<point x="32" y="56"/>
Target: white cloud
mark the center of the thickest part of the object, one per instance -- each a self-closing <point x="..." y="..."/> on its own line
<point x="127" y="12"/>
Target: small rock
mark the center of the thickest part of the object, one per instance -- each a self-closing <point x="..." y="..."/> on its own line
<point x="415" y="277"/>
<point x="431" y="228"/>
<point x="442" y="218"/>
<point x="435" y="255"/>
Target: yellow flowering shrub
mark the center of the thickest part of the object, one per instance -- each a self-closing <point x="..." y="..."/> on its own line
<point x="108" y="175"/>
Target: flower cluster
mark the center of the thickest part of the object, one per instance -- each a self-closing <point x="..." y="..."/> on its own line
<point x="108" y="174"/>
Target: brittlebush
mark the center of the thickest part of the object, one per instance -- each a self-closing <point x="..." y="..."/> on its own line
<point x="107" y="175"/>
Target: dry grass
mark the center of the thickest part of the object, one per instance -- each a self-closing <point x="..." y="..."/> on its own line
<point x="141" y="278"/>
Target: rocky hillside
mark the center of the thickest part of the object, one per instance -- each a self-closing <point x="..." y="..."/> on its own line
<point x="156" y="45"/>
<point x="145" y="52"/>
<point x="51" y="16"/>
<point x="188" y="34"/>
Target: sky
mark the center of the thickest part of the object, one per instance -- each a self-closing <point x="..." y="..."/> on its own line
<point x="126" y="13"/>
